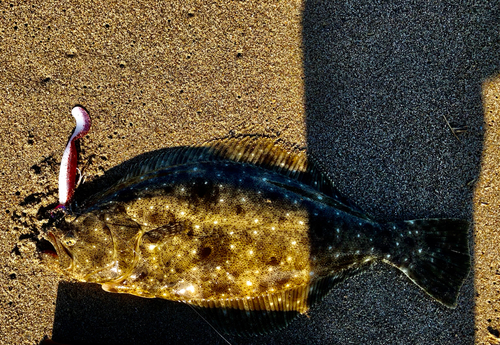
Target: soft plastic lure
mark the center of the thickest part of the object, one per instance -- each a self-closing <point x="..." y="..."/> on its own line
<point x="67" y="172"/>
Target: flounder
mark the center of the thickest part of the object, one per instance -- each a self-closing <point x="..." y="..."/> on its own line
<point x="250" y="231"/>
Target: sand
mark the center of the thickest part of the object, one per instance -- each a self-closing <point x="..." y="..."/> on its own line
<point x="372" y="90"/>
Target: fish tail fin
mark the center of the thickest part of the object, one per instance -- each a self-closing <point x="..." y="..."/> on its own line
<point x="434" y="254"/>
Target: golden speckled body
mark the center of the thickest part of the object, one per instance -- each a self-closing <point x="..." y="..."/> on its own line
<point x="238" y="224"/>
<point x="210" y="231"/>
<point x="213" y="239"/>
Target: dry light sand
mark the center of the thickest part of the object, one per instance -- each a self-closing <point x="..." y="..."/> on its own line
<point x="371" y="89"/>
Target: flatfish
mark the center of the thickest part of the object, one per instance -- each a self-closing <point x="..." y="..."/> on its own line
<point x="250" y="231"/>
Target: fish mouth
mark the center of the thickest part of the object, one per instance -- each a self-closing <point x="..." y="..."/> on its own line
<point x="58" y="250"/>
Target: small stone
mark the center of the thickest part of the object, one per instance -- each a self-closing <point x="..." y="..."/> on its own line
<point x="72" y="52"/>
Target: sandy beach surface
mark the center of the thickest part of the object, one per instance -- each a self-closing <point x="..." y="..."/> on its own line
<point x="400" y="101"/>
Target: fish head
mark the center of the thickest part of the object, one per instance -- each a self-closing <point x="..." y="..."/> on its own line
<point x="85" y="247"/>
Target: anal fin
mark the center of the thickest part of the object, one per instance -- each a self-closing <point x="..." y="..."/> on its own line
<point x="254" y="315"/>
<point x="266" y="313"/>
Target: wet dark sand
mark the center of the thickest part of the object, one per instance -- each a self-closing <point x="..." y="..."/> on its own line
<point x="369" y="90"/>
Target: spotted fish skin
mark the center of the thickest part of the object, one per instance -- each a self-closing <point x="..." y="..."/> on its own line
<point x="216" y="227"/>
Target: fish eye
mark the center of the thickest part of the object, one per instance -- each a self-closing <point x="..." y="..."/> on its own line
<point x="69" y="218"/>
<point x="69" y="239"/>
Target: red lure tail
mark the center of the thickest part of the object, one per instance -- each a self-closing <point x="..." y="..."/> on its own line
<point x="67" y="172"/>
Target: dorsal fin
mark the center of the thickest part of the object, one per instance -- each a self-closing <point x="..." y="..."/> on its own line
<point x="264" y="152"/>
<point x="257" y="150"/>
